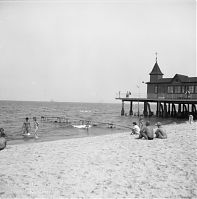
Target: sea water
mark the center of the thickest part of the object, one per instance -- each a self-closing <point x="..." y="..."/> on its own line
<point x="13" y="114"/>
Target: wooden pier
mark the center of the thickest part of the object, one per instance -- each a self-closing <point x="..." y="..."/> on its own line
<point x="177" y="108"/>
<point x="173" y="97"/>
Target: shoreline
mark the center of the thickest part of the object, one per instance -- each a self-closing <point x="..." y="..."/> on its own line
<point x="114" y="165"/>
<point x="42" y="139"/>
<point x="33" y="140"/>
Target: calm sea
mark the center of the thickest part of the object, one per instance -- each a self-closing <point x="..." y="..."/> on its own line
<point x="13" y="113"/>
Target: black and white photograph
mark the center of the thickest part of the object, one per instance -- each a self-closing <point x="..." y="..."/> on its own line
<point x="98" y="99"/>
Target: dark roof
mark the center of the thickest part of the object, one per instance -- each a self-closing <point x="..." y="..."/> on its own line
<point x="156" y="70"/>
<point x="193" y="79"/>
<point x="182" y="78"/>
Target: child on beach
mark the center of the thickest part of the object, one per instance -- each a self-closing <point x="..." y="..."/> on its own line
<point x="26" y="127"/>
<point x="36" y="124"/>
<point x="135" y="129"/>
<point x="3" y="141"/>
<point x="160" y="132"/>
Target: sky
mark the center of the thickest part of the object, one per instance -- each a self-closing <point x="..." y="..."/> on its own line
<point x="88" y="51"/>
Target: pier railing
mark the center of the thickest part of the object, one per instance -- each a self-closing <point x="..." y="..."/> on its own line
<point x="130" y="95"/>
<point x="155" y="95"/>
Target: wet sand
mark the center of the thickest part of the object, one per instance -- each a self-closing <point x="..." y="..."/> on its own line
<point x="108" y="166"/>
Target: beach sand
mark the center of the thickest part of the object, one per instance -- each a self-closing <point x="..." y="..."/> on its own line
<point x="109" y="166"/>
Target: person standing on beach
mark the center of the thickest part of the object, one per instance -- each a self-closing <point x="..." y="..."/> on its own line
<point x="147" y="132"/>
<point x="160" y="132"/>
<point x="3" y="141"/>
<point x="36" y="124"/>
<point x="26" y="127"/>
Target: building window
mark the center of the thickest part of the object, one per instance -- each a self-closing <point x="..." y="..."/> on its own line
<point x="156" y="89"/>
<point x="183" y="89"/>
<point x="195" y="89"/>
<point x="177" y="89"/>
<point x="170" y="89"/>
<point x="191" y="89"/>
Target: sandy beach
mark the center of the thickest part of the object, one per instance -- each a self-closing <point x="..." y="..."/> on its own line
<point x="109" y="166"/>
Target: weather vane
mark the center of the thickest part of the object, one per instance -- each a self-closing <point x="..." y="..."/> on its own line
<point x="156" y="56"/>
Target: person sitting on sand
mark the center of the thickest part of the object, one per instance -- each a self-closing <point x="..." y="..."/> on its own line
<point x="135" y="129"/>
<point x="146" y="132"/>
<point x="36" y="124"/>
<point x="26" y="127"/>
<point x="160" y="132"/>
<point x="3" y="141"/>
<point x="141" y="123"/>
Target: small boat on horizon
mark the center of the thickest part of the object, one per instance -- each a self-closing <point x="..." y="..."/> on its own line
<point x="52" y="101"/>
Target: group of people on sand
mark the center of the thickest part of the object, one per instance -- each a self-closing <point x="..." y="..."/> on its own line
<point x="146" y="131"/>
<point x="26" y="128"/>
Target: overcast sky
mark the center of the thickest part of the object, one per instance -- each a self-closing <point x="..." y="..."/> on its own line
<point x="89" y="50"/>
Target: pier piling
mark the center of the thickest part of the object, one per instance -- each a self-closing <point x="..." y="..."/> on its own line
<point x="145" y="109"/>
<point x="122" y="111"/>
<point x="180" y="108"/>
<point x="131" y="108"/>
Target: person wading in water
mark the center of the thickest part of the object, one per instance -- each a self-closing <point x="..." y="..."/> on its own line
<point x="26" y="127"/>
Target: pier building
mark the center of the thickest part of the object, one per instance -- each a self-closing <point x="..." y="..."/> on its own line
<point x="177" y="87"/>
<point x="174" y="97"/>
